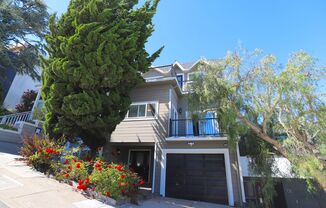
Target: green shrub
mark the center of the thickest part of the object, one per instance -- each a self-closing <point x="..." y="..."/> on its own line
<point x="45" y="160"/>
<point x="114" y="180"/>
<point x="5" y="126"/>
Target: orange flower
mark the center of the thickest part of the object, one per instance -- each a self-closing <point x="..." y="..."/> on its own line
<point x="107" y="194"/>
<point x="66" y="175"/>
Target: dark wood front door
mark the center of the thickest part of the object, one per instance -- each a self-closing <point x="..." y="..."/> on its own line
<point x="199" y="177"/>
<point x="139" y="161"/>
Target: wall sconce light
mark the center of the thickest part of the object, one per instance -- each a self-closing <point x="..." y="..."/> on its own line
<point x="179" y="110"/>
<point x="191" y="144"/>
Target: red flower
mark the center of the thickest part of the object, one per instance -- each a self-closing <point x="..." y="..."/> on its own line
<point x="70" y="167"/>
<point x="142" y="182"/>
<point x="97" y="164"/>
<point x="122" y="176"/>
<point x="93" y="189"/>
<point x="109" y="166"/>
<point x="118" y="167"/>
<point x="40" y="150"/>
<point x="66" y="175"/>
<point x="88" y="158"/>
<point x="122" y="191"/>
<point x="78" y="165"/>
<point x="107" y="194"/>
<point x="81" y="187"/>
<point x="66" y="161"/>
<point x="99" y="168"/>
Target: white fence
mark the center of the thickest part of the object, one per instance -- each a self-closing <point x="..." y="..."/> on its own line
<point x="11" y="119"/>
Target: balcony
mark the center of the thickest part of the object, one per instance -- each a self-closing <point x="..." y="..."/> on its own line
<point x="205" y="127"/>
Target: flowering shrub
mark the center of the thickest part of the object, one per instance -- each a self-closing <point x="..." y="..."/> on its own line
<point x="44" y="159"/>
<point x="114" y="180"/>
<point x="108" y="179"/>
<point x="76" y="169"/>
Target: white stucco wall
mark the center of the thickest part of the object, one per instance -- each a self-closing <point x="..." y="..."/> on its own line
<point x="20" y="84"/>
<point x="281" y="167"/>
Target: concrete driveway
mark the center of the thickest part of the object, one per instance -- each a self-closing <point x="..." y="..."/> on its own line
<point x="160" y="202"/>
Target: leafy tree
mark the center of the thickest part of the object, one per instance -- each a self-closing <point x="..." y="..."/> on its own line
<point x="22" y="26"/>
<point x="286" y="100"/>
<point x="27" y="101"/>
<point x="96" y="57"/>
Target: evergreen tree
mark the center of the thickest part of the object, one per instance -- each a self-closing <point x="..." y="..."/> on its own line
<point x="96" y="57"/>
<point x="22" y="26"/>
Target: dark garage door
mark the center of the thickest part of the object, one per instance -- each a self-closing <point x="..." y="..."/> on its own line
<point x="199" y="177"/>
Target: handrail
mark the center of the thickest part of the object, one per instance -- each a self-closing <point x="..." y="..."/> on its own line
<point x="11" y="119"/>
<point x="195" y="127"/>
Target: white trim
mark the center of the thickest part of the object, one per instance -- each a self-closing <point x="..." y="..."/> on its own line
<point x="154" y="169"/>
<point x="224" y="151"/>
<point x="183" y="80"/>
<point x="150" y="160"/>
<point x="179" y="65"/>
<point x="170" y="106"/>
<point x="240" y="175"/>
<point x="196" y="138"/>
<point x="154" y="77"/>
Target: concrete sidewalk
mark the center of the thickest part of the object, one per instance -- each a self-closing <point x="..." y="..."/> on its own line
<point x="22" y="187"/>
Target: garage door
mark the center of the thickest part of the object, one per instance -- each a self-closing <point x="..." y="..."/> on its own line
<point x="199" y="177"/>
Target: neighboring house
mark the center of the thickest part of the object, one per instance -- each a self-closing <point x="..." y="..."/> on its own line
<point x="177" y="154"/>
<point x="6" y="80"/>
<point x="20" y="84"/>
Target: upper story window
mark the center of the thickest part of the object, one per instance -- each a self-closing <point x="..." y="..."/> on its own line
<point x="143" y="110"/>
<point x="180" y="80"/>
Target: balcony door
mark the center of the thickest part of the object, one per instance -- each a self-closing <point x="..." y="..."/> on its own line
<point x="205" y="126"/>
<point x="175" y="123"/>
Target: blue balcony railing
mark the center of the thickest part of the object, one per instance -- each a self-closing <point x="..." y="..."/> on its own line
<point x="194" y="127"/>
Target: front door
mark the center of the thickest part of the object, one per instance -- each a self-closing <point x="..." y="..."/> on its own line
<point x="139" y="161"/>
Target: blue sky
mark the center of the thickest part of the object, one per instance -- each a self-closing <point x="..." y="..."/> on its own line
<point x="190" y="29"/>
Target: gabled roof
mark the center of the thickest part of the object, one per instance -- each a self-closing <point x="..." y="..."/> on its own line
<point x="164" y="69"/>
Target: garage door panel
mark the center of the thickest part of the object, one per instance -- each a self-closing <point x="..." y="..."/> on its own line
<point x="196" y="177"/>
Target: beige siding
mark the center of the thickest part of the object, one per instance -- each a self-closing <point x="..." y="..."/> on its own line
<point x="146" y="130"/>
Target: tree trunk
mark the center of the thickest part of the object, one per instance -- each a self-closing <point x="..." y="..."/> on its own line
<point x="320" y="175"/>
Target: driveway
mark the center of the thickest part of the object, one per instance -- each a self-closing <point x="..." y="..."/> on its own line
<point x="160" y="202"/>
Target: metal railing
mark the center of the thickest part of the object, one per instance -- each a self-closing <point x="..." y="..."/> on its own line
<point x="194" y="127"/>
<point x="11" y="119"/>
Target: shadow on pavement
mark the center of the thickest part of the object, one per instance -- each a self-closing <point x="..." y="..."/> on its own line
<point x="10" y="148"/>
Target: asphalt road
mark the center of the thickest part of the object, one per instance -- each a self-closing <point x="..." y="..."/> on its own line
<point x="11" y="148"/>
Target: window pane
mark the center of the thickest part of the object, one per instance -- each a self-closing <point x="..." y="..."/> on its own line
<point x="133" y="111"/>
<point x="151" y="109"/>
<point x="141" y="112"/>
<point x="180" y="80"/>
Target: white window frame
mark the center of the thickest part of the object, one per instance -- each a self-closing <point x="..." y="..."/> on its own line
<point x="144" y="117"/>
<point x="183" y="80"/>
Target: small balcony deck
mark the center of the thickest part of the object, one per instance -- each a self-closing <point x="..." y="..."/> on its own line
<point x="195" y="128"/>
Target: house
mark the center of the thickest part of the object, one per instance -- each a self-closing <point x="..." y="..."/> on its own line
<point x="178" y="155"/>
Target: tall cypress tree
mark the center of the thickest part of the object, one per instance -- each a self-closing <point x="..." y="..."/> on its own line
<point x="96" y="57"/>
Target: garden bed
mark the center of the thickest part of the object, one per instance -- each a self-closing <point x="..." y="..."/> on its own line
<point x="110" y="183"/>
